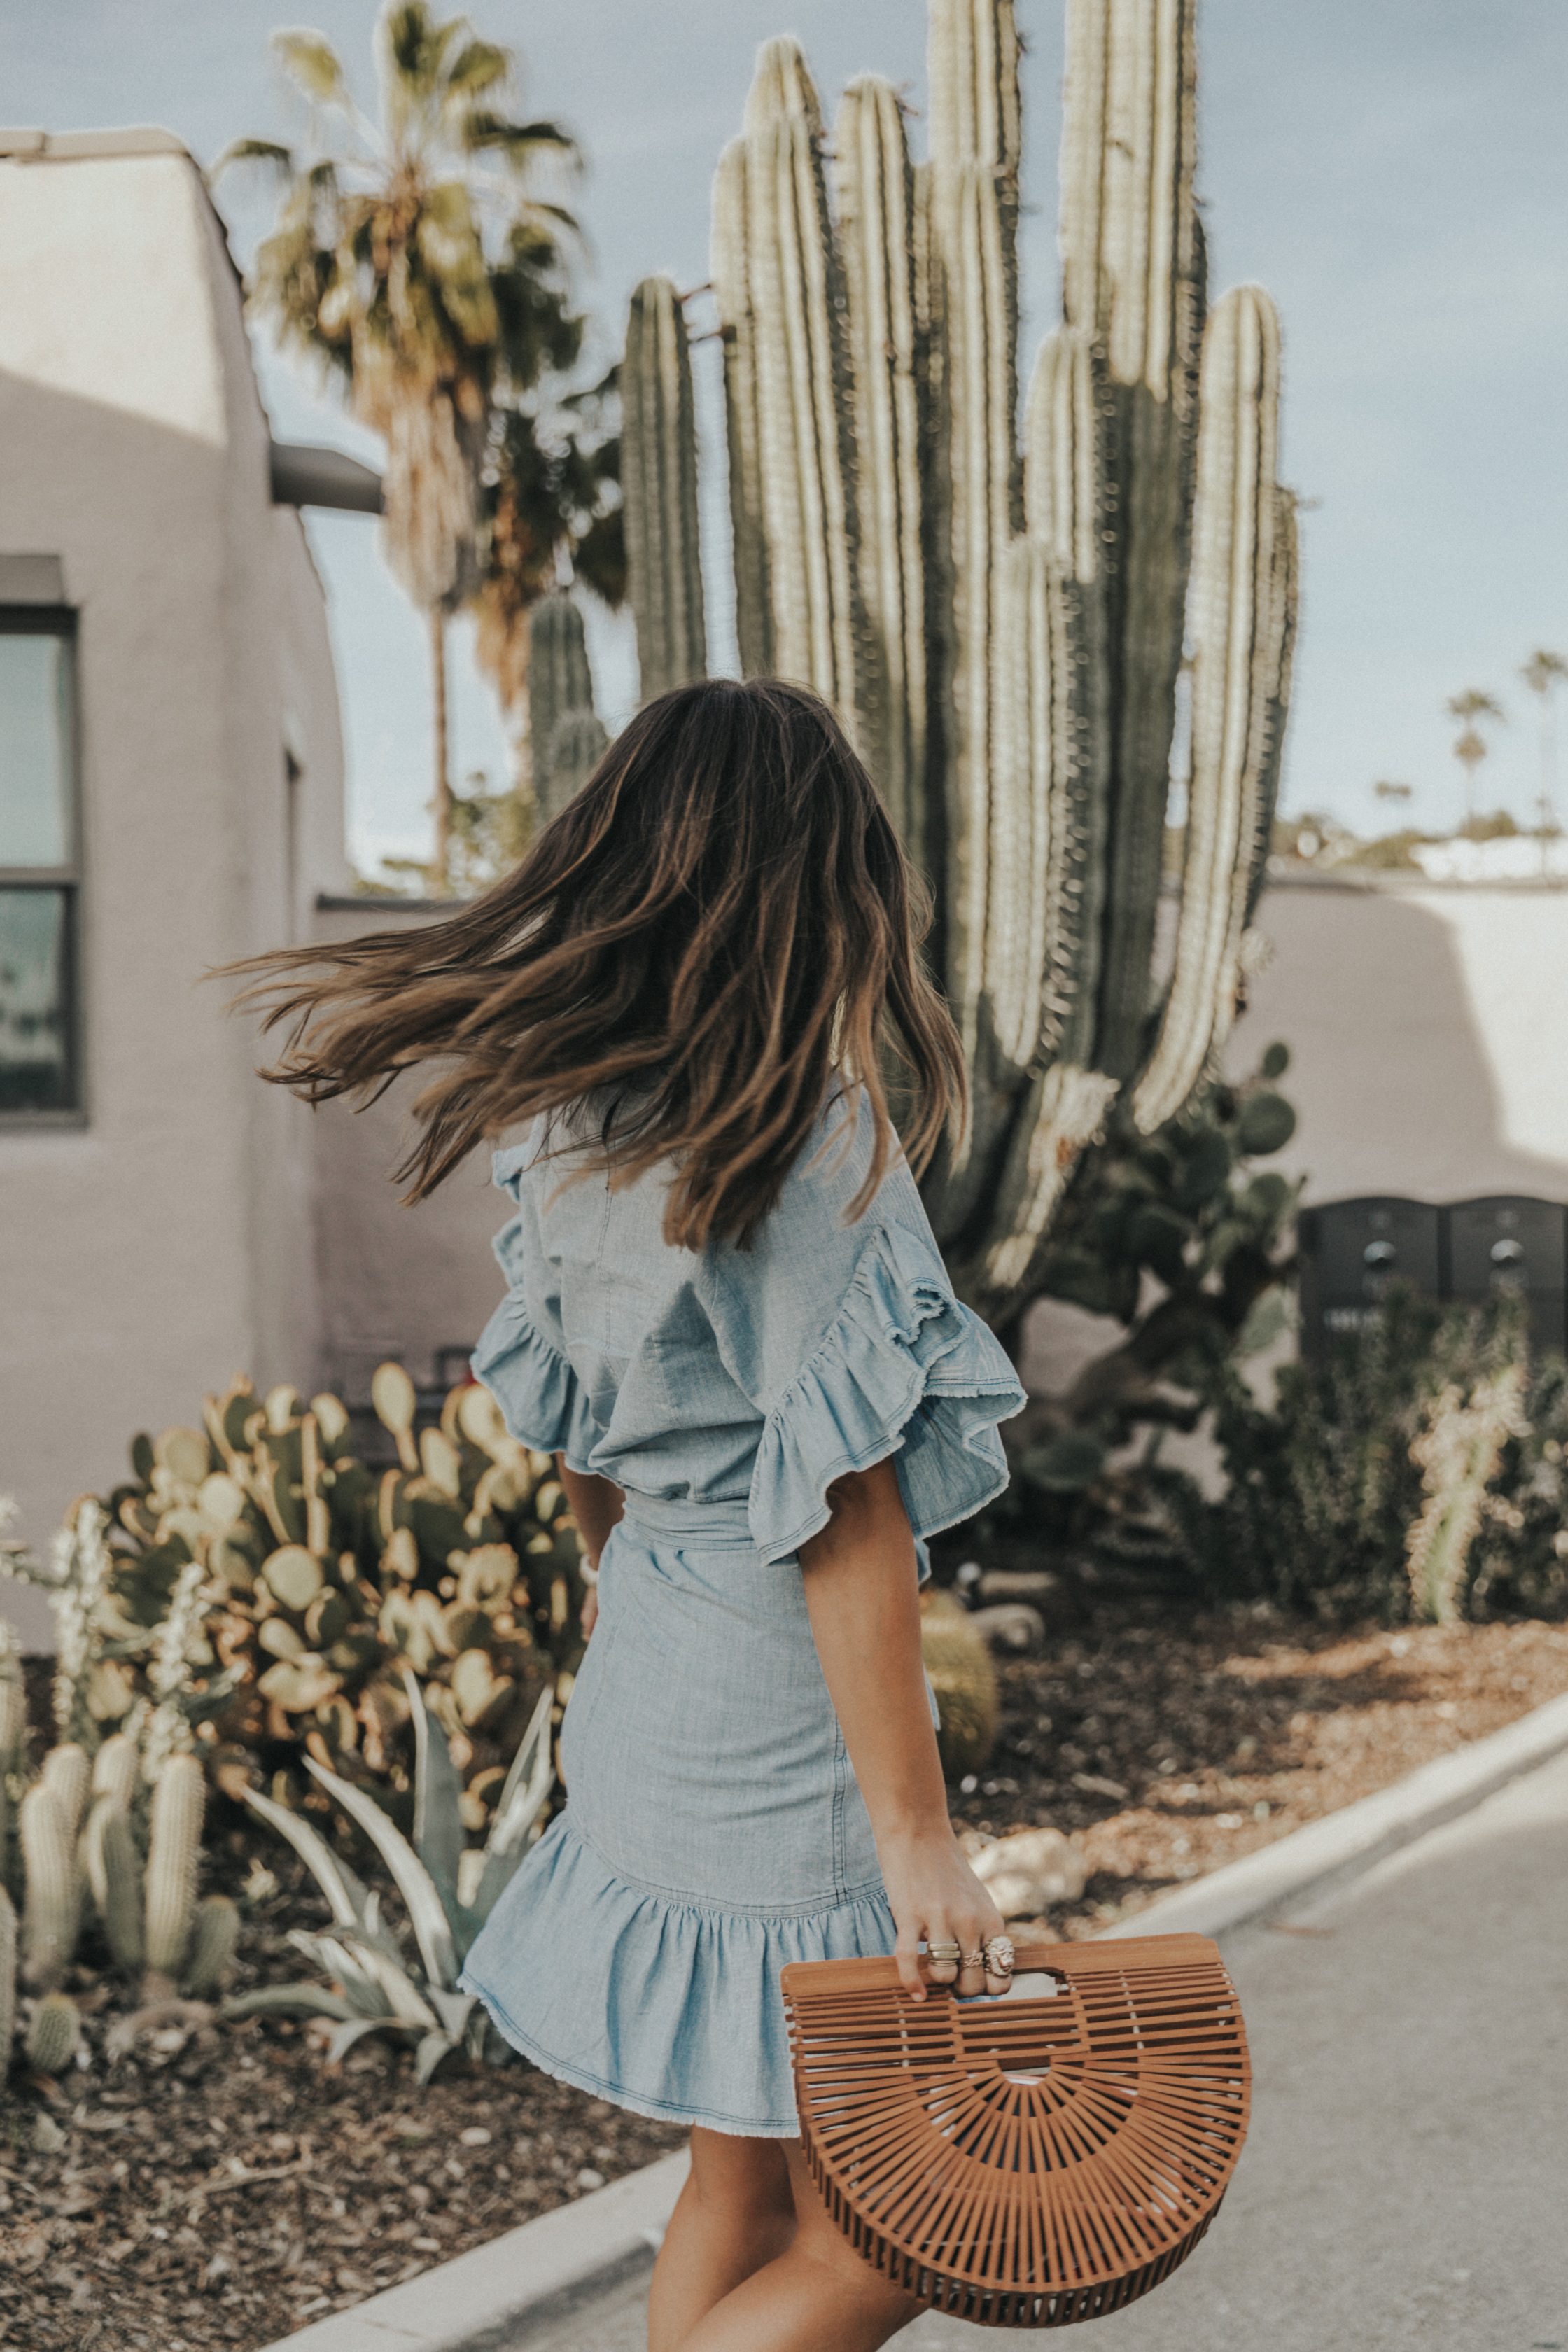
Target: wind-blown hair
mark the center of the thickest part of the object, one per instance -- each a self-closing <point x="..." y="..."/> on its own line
<point x="719" y="929"/>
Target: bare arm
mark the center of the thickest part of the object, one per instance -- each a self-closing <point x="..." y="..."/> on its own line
<point x="861" y="1594"/>
<point x="597" y="1505"/>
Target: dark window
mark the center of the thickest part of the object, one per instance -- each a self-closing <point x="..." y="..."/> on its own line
<point x="40" y="872"/>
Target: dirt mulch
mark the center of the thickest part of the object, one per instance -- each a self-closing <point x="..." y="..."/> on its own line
<point x="219" y="2185"/>
<point x="1166" y="1749"/>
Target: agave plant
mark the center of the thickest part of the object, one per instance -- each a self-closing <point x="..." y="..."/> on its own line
<point x="448" y="1887"/>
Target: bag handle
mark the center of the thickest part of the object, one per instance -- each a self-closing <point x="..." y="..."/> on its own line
<point x="809" y="1980"/>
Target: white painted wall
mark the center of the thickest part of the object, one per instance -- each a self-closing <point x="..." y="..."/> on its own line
<point x="150" y="1253"/>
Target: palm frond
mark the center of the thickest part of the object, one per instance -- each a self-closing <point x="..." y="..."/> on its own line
<point x="313" y="66"/>
<point x="477" y="67"/>
<point x="252" y="151"/>
<point x="518" y="144"/>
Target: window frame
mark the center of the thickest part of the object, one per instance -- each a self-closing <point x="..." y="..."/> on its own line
<point x="66" y="880"/>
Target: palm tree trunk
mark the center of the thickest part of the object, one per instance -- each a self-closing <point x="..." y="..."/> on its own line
<point x="441" y="863"/>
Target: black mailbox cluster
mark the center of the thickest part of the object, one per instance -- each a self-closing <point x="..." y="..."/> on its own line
<point x="1352" y="1250"/>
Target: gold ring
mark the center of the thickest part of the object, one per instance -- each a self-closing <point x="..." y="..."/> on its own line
<point x="945" y="1952"/>
<point x="972" y="1959"/>
<point x="1000" y="1956"/>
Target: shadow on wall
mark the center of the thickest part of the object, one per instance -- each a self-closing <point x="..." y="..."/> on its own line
<point x="1428" y="1037"/>
<point x="1428" y="1033"/>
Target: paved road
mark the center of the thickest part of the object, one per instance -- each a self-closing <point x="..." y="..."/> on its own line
<point x="1405" y="2185"/>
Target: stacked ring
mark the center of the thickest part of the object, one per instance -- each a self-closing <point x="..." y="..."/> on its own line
<point x="942" y="1954"/>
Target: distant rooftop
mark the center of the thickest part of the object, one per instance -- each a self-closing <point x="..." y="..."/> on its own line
<point x="70" y="146"/>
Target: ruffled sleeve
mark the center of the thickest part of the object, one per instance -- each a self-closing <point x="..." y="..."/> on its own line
<point x="520" y="1356"/>
<point x="903" y="1369"/>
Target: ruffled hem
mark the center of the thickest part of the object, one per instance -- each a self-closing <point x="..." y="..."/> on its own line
<point x="651" y="2001"/>
<point x="905" y="1369"/>
<point x="541" y="1399"/>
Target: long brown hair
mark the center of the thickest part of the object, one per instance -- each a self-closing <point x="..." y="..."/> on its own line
<point x="720" y="925"/>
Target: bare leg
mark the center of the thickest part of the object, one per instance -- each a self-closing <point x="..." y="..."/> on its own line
<point x="734" y="2214"/>
<point x="817" y="2296"/>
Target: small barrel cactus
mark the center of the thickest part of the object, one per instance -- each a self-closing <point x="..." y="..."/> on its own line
<point x="215" y="1940"/>
<point x="962" y="1673"/>
<point x="53" y="2033"/>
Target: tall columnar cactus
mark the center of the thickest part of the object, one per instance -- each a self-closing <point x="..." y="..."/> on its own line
<point x="1001" y="626"/>
<point x="7" y="1982"/>
<point x="779" y="282"/>
<point x="13" y="1730"/>
<point x="1241" y="617"/>
<point x="173" y="1857"/>
<point x="52" y="1910"/>
<point x="973" y="199"/>
<point x="1132" y="275"/>
<point x="567" y="740"/>
<point x="658" y="477"/>
<point x="874" y="183"/>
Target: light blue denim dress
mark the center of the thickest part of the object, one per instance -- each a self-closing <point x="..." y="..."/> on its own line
<point x="713" y="1829"/>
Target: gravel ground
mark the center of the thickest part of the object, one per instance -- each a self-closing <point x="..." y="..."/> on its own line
<point x="216" y="2186"/>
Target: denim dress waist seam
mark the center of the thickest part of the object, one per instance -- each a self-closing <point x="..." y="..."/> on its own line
<point x="836" y="1897"/>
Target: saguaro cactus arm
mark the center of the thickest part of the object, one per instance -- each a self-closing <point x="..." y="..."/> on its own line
<point x="658" y="477"/>
<point x="559" y="702"/>
<point x="796" y="327"/>
<point x="875" y="188"/>
<point x="1241" y="636"/>
<point x="1132" y="277"/>
<point x="972" y="63"/>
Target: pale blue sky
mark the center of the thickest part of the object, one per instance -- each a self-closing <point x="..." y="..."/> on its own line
<point x="1394" y="170"/>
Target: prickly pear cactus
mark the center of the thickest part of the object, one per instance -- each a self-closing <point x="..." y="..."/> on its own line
<point x="1001" y="623"/>
<point x="312" y="1579"/>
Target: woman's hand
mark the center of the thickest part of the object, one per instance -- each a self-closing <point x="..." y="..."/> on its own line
<point x="862" y="1597"/>
<point x="935" y="1896"/>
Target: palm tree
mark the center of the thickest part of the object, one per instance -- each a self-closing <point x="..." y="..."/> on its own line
<point x="421" y="264"/>
<point x="1543" y="673"/>
<point x="1470" y="746"/>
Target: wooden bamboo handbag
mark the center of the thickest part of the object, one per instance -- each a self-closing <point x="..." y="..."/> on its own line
<point x="1035" y="2158"/>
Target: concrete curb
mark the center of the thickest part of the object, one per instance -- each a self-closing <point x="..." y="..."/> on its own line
<point x="489" y="2299"/>
<point x="1344" y="1843"/>
<point x="480" y="2300"/>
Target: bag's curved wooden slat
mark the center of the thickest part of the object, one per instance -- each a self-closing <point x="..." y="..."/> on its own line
<point x="1025" y="2162"/>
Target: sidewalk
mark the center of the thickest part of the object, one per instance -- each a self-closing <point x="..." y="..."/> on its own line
<point x="1406" y="2182"/>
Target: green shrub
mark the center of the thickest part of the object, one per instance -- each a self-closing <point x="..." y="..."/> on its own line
<point x="1419" y="1471"/>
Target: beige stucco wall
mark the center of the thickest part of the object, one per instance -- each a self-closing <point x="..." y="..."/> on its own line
<point x="163" y="1244"/>
<point x="1428" y="1030"/>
